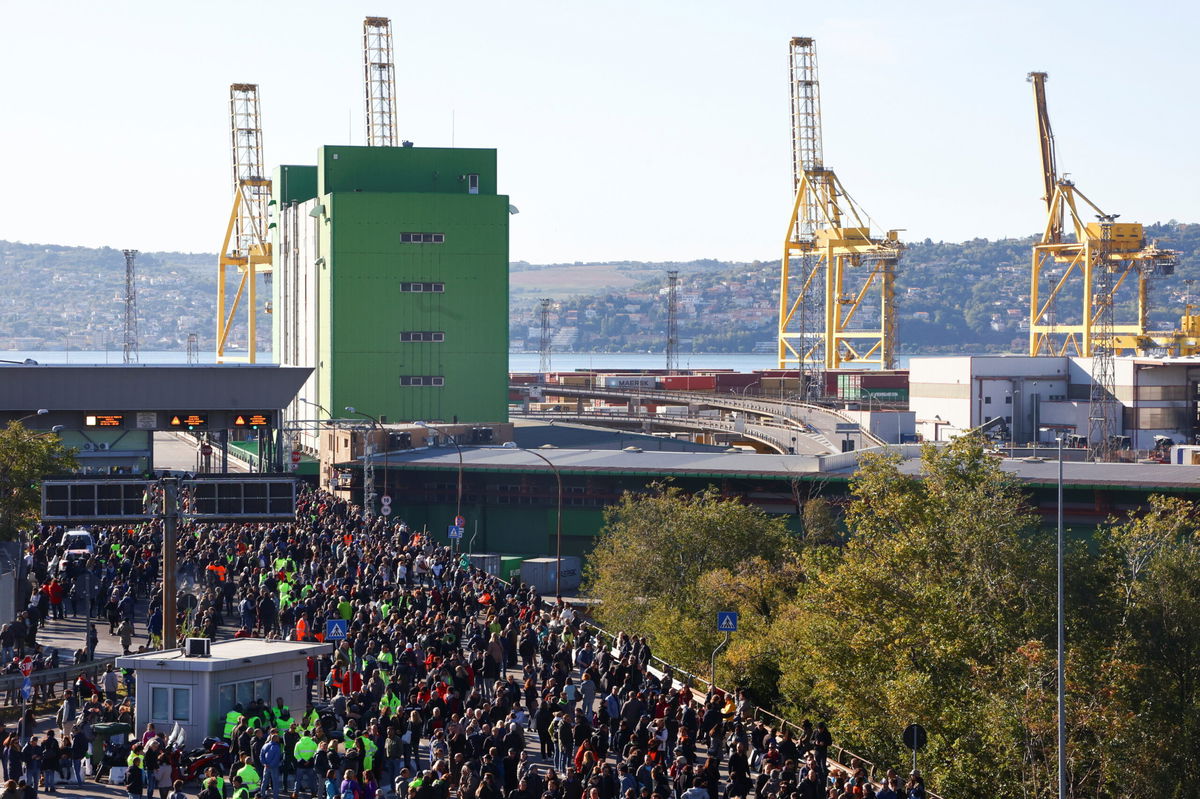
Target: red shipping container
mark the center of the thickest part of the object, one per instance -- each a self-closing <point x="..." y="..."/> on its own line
<point x="884" y="380"/>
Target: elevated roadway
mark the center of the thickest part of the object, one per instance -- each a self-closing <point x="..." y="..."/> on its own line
<point x="781" y="438"/>
<point x="811" y="422"/>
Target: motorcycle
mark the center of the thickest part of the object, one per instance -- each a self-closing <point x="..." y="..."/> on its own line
<point x="188" y="765"/>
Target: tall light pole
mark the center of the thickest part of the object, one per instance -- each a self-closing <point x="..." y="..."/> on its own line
<point x="38" y="412"/>
<point x="1062" y="655"/>
<point x="558" y="528"/>
<point x="368" y="466"/>
<point x="453" y="440"/>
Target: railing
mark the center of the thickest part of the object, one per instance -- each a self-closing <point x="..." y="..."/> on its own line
<point x="10" y="684"/>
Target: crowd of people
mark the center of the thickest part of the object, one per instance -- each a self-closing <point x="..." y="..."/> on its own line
<point x="449" y="682"/>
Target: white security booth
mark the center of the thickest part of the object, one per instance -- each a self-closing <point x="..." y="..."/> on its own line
<point x="197" y="692"/>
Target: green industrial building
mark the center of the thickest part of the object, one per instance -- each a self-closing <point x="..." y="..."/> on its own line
<point x="391" y="280"/>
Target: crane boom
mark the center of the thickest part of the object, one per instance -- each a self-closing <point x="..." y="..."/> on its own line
<point x="1046" y="142"/>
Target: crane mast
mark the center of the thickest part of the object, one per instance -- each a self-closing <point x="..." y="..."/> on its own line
<point x="379" y="81"/>
<point x="836" y="286"/>
<point x="246" y="247"/>
<point x="1091" y="266"/>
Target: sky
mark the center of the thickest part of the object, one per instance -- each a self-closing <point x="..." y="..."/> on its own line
<point x="653" y="130"/>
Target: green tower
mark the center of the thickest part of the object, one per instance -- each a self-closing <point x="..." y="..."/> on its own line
<point x="390" y="279"/>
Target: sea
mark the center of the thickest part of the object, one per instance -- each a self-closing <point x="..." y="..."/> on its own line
<point x="517" y="361"/>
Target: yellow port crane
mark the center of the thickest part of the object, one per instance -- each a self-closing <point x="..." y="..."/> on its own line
<point x="246" y="247"/>
<point x="836" y="283"/>
<point x="1100" y="259"/>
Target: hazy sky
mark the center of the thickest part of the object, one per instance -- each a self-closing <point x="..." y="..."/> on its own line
<point x="644" y="130"/>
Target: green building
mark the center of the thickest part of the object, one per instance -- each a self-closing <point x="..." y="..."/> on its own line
<point x="390" y="279"/>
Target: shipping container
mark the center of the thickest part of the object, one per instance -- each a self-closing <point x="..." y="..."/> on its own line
<point x="689" y="382"/>
<point x="487" y="561"/>
<point x="736" y="380"/>
<point x="628" y="381"/>
<point x="541" y="573"/>
<point x="510" y="567"/>
<point x="884" y="394"/>
<point x="884" y="380"/>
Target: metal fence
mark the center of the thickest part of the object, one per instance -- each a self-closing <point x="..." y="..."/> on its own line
<point x="44" y="682"/>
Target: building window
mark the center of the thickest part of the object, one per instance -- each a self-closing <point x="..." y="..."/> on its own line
<point x="1058" y="397"/>
<point x="168" y="703"/>
<point x="428" y="288"/>
<point x="423" y="335"/>
<point x="472" y="184"/>
<point x="422" y="380"/>
<point x="987" y="400"/>
<point x="242" y="693"/>
<point x="423" y="238"/>
<point x="1008" y="400"/>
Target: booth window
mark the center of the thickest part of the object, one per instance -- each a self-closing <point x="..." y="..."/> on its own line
<point x="243" y="693"/>
<point x="168" y="704"/>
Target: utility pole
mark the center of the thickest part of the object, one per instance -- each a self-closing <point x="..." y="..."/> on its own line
<point x="544" y="345"/>
<point x="131" y="330"/>
<point x="672" y="321"/>
<point x="170" y="508"/>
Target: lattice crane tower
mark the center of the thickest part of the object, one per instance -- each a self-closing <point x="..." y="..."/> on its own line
<point x="246" y="246"/>
<point x="837" y="280"/>
<point x="545" y="345"/>
<point x="672" y="321"/>
<point x="130" y="341"/>
<point x="379" y="76"/>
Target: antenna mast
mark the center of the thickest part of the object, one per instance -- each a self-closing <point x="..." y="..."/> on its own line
<point x="131" y="327"/>
<point x="672" y="321"/>
<point x="379" y="75"/>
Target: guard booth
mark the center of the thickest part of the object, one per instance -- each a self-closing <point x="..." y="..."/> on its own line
<point x="197" y="692"/>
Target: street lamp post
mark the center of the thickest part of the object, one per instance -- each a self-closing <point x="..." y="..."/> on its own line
<point x="558" y="527"/>
<point x="368" y="466"/>
<point x="1061" y="665"/>
<point x="453" y="440"/>
<point x="38" y="412"/>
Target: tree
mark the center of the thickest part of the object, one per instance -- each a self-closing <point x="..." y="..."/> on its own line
<point x="26" y="457"/>
<point x="655" y="549"/>
<point x="923" y="616"/>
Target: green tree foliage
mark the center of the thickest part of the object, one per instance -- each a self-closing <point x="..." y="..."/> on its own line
<point x="26" y="457"/>
<point x="654" y="551"/>
<point x="938" y="607"/>
<point x="938" y="585"/>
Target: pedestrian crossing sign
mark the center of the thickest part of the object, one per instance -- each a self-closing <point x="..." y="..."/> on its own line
<point x="727" y="621"/>
<point x="336" y="629"/>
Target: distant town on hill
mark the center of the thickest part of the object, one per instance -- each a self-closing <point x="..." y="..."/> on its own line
<point x="950" y="297"/>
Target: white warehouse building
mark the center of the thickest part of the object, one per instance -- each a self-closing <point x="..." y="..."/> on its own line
<point x="1040" y="397"/>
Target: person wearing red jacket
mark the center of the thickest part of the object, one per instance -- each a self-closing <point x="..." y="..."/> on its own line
<point x="55" y="592"/>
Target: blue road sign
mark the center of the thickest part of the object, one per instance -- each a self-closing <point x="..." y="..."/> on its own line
<point x="27" y="689"/>
<point x="727" y="621"/>
<point x="454" y="531"/>
<point x="336" y="629"/>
